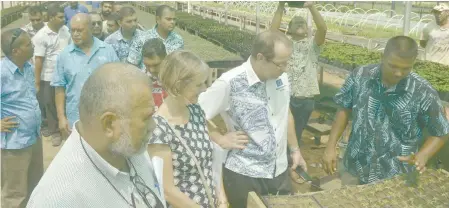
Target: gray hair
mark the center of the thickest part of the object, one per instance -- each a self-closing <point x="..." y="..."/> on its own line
<point x="110" y="89"/>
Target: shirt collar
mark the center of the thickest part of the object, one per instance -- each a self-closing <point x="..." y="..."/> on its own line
<point x="402" y="86"/>
<point x="154" y="30"/>
<point x="118" y="34"/>
<point x="102" y="164"/>
<point x="11" y="66"/>
<point x="95" y="46"/>
<point x="48" y="30"/>
<point x="250" y="74"/>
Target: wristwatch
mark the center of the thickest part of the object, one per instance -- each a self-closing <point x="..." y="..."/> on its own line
<point x="294" y="149"/>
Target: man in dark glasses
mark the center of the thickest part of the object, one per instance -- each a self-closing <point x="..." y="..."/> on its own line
<point x="104" y="162"/>
<point x="21" y="146"/>
<point x="97" y="26"/>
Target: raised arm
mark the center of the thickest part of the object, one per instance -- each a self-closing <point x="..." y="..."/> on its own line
<point x="321" y="27"/>
<point x="277" y="19"/>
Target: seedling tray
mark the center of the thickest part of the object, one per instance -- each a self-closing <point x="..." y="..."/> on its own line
<point x="432" y="191"/>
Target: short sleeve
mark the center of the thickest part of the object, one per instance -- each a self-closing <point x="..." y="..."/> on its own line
<point x="345" y="97"/>
<point x="40" y="46"/>
<point x="216" y="99"/>
<point x="181" y="44"/>
<point x="425" y="32"/>
<point x="58" y="79"/>
<point x="434" y="116"/>
<point x="316" y="49"/>
<point x="135" y="50"/>
<point x="112" y="54"/>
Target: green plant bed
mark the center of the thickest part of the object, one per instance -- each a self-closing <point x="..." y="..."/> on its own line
<point x="343" y="55"/>
<point x="11" y="10"/>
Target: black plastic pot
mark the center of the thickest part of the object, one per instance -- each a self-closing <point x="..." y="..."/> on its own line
<point x="296" y="4"/>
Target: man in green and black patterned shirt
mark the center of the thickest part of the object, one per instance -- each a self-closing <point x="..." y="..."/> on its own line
<point x="390" y="106"/>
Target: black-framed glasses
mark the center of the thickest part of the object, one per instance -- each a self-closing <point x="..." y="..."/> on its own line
<point x="279" y="66"/>
<point x="99" y="23"/>
<point x="143" y="190"/>
<point x="15" y="35"/>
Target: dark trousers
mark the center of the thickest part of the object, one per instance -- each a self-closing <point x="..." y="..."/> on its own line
<point x="301" y="109"/>
<point x="238" y="186"/>
<point x="46" y="98"/>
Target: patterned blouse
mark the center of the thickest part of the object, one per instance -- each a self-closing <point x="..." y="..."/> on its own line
<point x="387" y="122"/>
<point x="185" y="173"/>
<point x="302" y="68"/>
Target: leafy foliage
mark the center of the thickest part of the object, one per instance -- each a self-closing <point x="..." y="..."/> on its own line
<point x="339" y="54"/>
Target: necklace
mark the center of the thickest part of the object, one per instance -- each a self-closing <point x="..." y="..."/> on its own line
<point x="132" y="204"/>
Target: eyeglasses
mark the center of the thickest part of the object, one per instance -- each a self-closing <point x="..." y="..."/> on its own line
<point x="143" y="190"/>
<point x="99" y="23"/>
<point x="279" y="66"/>
<point x="15" y="35"/>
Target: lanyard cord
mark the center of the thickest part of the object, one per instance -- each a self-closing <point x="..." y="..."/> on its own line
<point x="98" y="169"/>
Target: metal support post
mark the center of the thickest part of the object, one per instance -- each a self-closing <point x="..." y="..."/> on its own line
<point x="257" y="19"/>
<point x="407" y="15"/>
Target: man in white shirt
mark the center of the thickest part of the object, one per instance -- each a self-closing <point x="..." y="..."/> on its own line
<point x="253" y="99"/>
<point x="48" y="43"/>
<point x="435" y="36"/>
<point x="104" y="163"/>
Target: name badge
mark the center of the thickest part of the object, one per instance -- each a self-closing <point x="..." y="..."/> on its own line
<point x="279" y="84"/>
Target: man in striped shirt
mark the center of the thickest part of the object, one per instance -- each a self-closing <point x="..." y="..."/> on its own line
<point x="104" y="162"/>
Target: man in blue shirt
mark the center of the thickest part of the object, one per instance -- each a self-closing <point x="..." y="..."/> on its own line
<point x="21" y="155"/>
<point x="73" y="66"/>
<point x="165" y="24"/>
<point x="390" y="107"/>
<point x="73" y="9"/>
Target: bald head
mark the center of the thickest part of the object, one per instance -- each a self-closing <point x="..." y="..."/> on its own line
<point x="81" y="29"/>
<point x="82" y="18"/>
<point x="265" y="43"/>
<point x="116" y="88"/>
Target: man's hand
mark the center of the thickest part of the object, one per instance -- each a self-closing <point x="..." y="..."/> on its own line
<point x="298" y="160"/>
<point x="64" y="127"/>
<point x="330" y="160"/>
<point x="308" y="4"/>
<point x="234" y="140"/>
<point x="7" y="125"/>
<point x="419" y="160"/>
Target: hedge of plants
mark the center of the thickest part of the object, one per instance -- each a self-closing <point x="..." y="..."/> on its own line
<point x="11" y="14"/>
<point x="341" y="55"/>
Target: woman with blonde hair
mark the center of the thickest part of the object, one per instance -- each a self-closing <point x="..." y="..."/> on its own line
<point x="181" y="137"/>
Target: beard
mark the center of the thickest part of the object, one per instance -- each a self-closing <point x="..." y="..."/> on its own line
<point x="123" y="147"/>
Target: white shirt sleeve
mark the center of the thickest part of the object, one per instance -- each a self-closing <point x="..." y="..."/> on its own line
<point x="216" y="99"/>
<point x="40" y="45"/>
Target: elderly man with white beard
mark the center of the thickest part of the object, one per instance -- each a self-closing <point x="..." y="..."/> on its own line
<point x="104" y="163"/>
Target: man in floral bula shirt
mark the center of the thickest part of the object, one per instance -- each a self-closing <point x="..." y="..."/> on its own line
<point x="303" y="65"/>
<point x="390" y="107"/>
